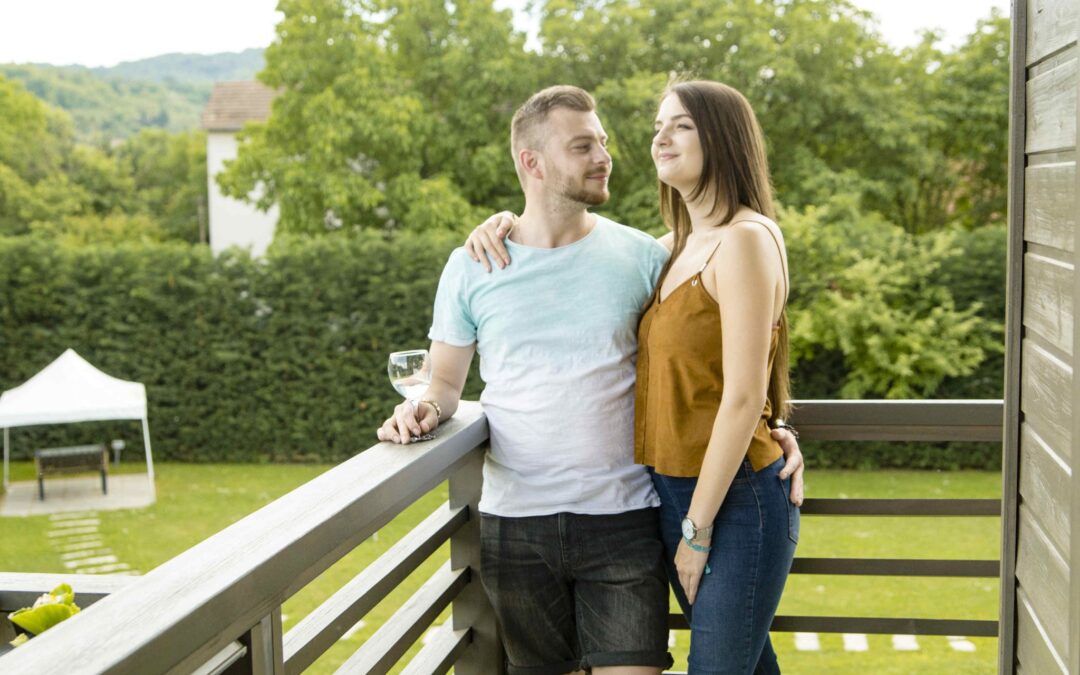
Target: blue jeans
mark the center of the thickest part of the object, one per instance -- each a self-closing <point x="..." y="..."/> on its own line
<point x="753" y="545"/>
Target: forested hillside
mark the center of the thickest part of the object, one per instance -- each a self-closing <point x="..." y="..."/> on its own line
<point x="190" y="68"/>
<point x="164" y="92"/>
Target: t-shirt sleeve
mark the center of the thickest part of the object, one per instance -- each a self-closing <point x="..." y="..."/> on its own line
<point x="452" y="321"/>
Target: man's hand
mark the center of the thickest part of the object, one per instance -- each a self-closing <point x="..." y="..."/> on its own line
<point x="793" y="464"/>
<point x="486" y="241"/>
<point x="407" y="422"/>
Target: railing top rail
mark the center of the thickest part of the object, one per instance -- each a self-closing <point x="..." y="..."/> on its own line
<point x="184" y="611"/>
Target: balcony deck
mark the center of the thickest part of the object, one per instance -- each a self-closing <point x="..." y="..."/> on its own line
<point x="217" y="606"/>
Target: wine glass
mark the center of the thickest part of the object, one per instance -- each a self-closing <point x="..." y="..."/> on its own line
<point x="410" y="373"/>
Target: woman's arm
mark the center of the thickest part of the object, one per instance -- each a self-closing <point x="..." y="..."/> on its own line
<point x="486" y="240"/>
<point x="747" y="273"/>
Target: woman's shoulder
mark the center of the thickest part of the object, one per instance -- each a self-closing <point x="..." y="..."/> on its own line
<point x="749" y="225"/>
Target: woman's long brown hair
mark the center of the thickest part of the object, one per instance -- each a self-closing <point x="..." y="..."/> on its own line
<point x="735" y="172"/>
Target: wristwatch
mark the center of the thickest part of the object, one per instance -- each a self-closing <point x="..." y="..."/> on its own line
<point x="690" y="531"/>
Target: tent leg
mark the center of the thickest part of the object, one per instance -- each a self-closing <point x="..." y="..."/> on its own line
<point x="7" y="442"/>
<point x="149" y="456"/>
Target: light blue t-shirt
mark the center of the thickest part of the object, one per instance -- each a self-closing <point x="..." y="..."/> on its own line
<point x="557" y="336"/>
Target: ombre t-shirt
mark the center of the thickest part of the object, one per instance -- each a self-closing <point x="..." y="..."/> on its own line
<point x="557" y="336"/>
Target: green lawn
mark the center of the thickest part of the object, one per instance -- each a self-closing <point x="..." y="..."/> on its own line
<point x="194" y="501"/>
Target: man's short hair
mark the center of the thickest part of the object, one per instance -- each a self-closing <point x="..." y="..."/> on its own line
<point x="526" y="127"/>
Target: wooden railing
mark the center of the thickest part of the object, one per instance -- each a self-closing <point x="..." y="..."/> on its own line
<point x="968" y="420"/>
<point x="216" y="608"/>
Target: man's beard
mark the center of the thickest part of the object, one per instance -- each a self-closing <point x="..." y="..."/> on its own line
<point x="580" y="195"/>
<point x="587" y="198"/>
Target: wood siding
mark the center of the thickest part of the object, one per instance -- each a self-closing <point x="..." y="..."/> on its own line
<point x="1040" y="615"/>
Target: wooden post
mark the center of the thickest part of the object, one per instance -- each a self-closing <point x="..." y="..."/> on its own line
<point x="265" y="654"/>
<point x="471" y="608"/>
<point x="1073" y="647"/>
<point x="1010" y="493"/>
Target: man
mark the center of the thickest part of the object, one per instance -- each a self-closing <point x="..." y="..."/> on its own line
<point x="570" y="553"/>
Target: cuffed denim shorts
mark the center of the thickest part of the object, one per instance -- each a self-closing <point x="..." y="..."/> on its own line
<point x="574" y="591"/>
<point x="753" y="544"/>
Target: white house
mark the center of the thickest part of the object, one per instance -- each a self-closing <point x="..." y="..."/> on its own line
<point x="233" y="222"/>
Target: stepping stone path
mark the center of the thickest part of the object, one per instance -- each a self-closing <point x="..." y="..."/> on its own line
<point x="78" y="542"/>
<point x="857" y="642"/>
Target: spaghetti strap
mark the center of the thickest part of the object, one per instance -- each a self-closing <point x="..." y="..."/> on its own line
<point x="715" y="249"/>
<point x="779" y="251"/>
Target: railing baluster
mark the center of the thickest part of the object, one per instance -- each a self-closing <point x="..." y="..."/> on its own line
<point x="471" y="608"/>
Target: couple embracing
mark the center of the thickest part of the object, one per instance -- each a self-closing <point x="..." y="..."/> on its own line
<point x="630" y="388"/>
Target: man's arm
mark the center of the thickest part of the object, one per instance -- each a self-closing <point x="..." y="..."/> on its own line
<point x="449" y="369"/>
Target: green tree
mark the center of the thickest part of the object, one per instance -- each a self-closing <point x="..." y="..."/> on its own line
<point x="35" y="144"/>
<point x="151" y="186"/>
<point x="392" y="114"/>
<point x="168" y="171"/>
<point x="868" y="306"/>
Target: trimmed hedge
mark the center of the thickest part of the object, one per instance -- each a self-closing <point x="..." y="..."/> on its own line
<point x="282" y="359"/>
<point x="279" y="360"/>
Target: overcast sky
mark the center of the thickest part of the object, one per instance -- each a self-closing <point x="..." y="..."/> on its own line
<point x="106" y="32"/>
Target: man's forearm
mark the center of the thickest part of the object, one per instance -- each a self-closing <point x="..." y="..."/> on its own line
<point x="447" y="397"/>
<point x="449" y="370"/>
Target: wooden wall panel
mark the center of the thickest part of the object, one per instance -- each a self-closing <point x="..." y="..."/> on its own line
<point x="1051" y="109"/>
<point x="1048" y="301"/>
<point x="1044" y="576"/>
<point x="1033" y="648"/>
<point x="1045" y="489"/>
<point x="1050" y="205"/>
<point x="1045" y="397"/>
<point x="1051" y="26"/>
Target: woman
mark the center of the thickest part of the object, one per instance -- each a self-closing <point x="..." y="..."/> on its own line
<point x="712" y="376"/>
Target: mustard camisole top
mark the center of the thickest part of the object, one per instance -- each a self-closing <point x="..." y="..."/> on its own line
<point x="680" y="380"/>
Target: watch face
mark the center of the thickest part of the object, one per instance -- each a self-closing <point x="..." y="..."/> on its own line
<point x="688" y="529"/>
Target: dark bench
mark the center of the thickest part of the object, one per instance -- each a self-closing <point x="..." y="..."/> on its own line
<point x="71" y="460"/>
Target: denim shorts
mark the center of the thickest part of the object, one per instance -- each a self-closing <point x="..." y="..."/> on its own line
<point x="574" y="592"/>
<point x="753" y="544"/>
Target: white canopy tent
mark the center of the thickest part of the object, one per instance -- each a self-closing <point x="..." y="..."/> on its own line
<point x="71" y="390"/>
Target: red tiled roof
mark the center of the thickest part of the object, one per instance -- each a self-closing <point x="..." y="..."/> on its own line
<point x="233" y="103"/>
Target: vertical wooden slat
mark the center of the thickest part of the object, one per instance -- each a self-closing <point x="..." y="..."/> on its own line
<point x="1073" y="648"/>
<point x="1013" y="334"/>
<point x="471" y="607"/>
